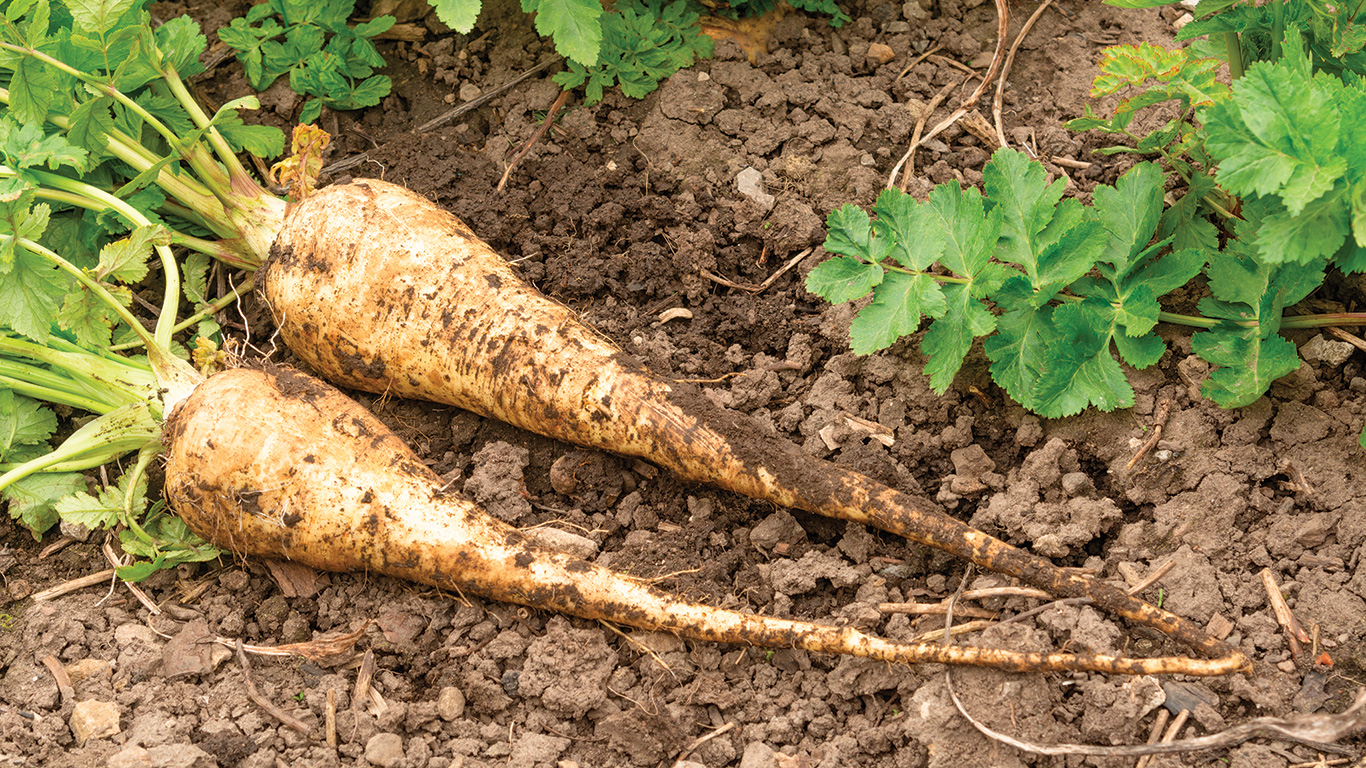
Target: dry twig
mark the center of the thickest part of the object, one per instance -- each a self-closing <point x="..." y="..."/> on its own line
<point x="50" y="593"/>
<point x="1003" y="29"/>
<point x="792" y="262"/>
<point x="1005" y="70"/>
<point x="64" y="686"/>
<point x="700" y="740"/>
<point x="262" y="701"/>
<point x="1317" y="731"/>
<point x="1295" y="635"/>
<point x="535" y="137"/>
<point x="1164" y="409"/>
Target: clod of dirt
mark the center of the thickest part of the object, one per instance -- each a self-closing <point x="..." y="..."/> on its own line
<point x="568" y="669"/>
<point x="496" y="482"/>
<point x="1055" y="527"/>
<point x="592" y="479"/>
<point x="798" y="577"/>
<point x="384" y="750"/>
<point x="192" y="652"/>
<point x="778" y="528"/>
<point x="1082" y="628"/>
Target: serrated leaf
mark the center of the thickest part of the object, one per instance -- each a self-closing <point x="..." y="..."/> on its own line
<point x="181" y="43"/>
<point x="948" y="339"/>
<point x="574" y="25"/>
<point x="1019" y="189"/>
<point x="1278" y="134"/>
<point x="849" y="231"/>
<point x="88" y="317"/>
<point x="32" y="499"/>
<point x="30" y="292"/>
<point x="898" y="305"/>
<point x="125" y="260"/>
<point x="1129" y="211"/>
<point x="912" y="239"/>
<point x="843" y="278"/>
<point x="1140" y="351"/>
<point x="1247" y="364"/>
<point x="23" y="422"/>
<point x="26" y="146"/>
<point x="1186" y="222"/>
<point x="107" y="506"/>
<point x="32" y="88"/>
<point x="1316" y="232"/>
<point x="97" y="17"/>
<point x="1019" y="349"/>
<point x="91" y="124"/>
<point x="1080" y="370"/>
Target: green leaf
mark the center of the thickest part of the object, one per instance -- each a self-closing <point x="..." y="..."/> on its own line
<point x="1020" y="347"/>
<point x="1279" y="132"/>
<point x="125" y="260"/>
<point x="574" y="25"/>
<point x="849" y="231"/>
<point x="181" y="43"/>
<point x="91" y="123"/>
<point x="901" y="300"/>
<point x="843" y="278"/>
<point x="108" y="506"/>
<point x="97" y="17"/>
<point x="30" y="292"/>
<point x="23" y="422"/>
<point x="26" y="146"/>
<point x="948" y="339"/>
<point x="1080" y="370"/>
<point x="1019" y="189"/>
<point x="32" y="88"/>
<point x="1247" y="364"/>
<point x="89" y="317"/>
<point x="912" y="239"/>
<point x="1187" y="222"/>
<point x="1129" y="211"/>
<point x="1316" y="232"/>
<point x="32" y="499"/>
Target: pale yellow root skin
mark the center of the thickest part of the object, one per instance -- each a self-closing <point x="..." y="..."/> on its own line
<point x="282" y="465"/>
<point x="379" y="290"/>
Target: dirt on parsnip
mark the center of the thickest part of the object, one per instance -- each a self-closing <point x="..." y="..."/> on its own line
<point x="629" y="211"/>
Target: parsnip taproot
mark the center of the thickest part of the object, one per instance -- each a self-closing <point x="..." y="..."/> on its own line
<point x="380" y="290"/>
<point x="279" y="464"/>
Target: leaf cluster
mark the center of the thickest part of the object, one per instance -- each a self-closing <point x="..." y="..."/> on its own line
<point x="642" y="43"/>
<point x="1072" y="284"/>
<point x="310" y="40"/>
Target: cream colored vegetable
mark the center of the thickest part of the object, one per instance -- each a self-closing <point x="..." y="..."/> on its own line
<point x="379" y="290"/>
<point x="282" y="465"/>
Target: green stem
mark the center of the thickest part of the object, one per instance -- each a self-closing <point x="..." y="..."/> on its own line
<point x="1234" y="53"/>
<point x="208" y="310"/>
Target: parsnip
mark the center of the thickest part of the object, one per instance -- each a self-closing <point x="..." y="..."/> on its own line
<point x="282" y="465"/>
<point x="379" y="290"/>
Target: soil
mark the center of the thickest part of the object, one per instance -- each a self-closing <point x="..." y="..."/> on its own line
<point x="630" y="211"/>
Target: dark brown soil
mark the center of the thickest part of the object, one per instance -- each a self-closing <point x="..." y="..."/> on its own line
<point x="629" y="211"/>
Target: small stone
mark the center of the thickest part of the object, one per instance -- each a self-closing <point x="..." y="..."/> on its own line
<point x="130" y="757"/>
<point x="564" y="541"/>
<point x="450" y="703"/>
<point x="469" y="92"/>
<point x="80" y="671"/>
<point x="1078" y="484"/>
<point x="750" y="182"/>
<point x="879" y="53"/>
<point x="688" y="764"/>
<point x="181" y="756"/>
<point x="1286" y="666"/>
<point x="127" y="634"/>
<point x="93" y="719"/>
<point x="1325" y="352"/>
<point x="384" y="750"/>
<point x="758" y="755"/>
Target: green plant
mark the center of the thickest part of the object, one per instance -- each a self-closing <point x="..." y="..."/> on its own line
<point x="310" y="40"/>
<point x="1075" y="286"/>
<point x="642" y="43"/>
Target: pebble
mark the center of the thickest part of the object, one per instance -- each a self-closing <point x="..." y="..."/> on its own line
<point x="750" y="182"/>
<point x="93" y="719"/>
<point x="127" y="634"/>
<point x="564" y="541"/>
<point x="180" y="756"/>
<point x="758" y="755"/>
<point x="384" y="750"/>
<point x="80" y="671"/>
<point x="450" y="703"/>
<point x="1322" y="350"/>
<point x="879" y="53"/>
